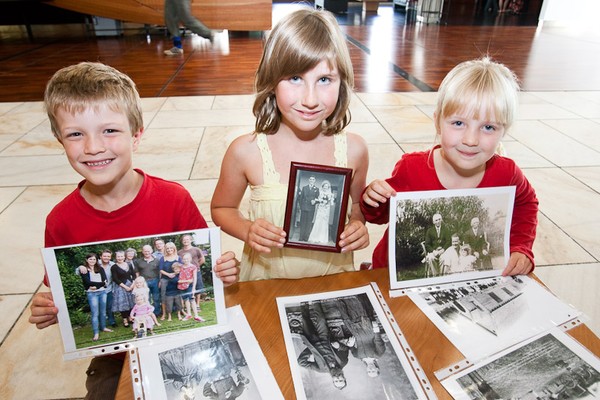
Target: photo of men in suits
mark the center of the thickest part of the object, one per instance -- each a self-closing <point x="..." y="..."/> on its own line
<point x="307" y="200"/>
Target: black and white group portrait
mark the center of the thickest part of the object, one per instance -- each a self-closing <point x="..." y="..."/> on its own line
<point x="438" y="234"/>
<point x="340" y="349"/>
<point x="316" y="207"/>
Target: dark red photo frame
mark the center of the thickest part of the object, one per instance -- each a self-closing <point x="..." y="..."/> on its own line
<point x="296" y="224"/>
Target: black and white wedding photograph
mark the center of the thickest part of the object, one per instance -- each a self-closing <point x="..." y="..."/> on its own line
<point x="340" y="346"/>
<point x="316" y="206"/>
<point x="448" y="235"/>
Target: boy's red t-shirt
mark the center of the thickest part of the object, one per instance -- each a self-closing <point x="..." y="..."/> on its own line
<point x="160" y="207"/>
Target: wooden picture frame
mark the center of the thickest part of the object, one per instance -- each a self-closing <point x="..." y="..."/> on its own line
<point x="324" y="207"/>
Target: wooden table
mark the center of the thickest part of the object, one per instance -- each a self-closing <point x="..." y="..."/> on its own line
<point x="257" y="299"/>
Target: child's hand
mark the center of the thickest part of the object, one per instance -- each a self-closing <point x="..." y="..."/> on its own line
<point x="263" y="235"/>
<point x="43" y="311"/>
<point x="228" y="268"/>
<point x="354" y="237"/>
<point x="518" y="264"/>
<point x="378" y="191"/>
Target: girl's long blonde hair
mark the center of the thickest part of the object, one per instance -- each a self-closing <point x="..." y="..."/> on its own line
<point x="297" y="44"/>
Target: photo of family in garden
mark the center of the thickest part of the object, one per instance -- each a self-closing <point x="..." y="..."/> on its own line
<point x="135" y="288"/>
<point x="317" y="202"/>
<point x="439" y="236"/>
<point x="341" y="347"/>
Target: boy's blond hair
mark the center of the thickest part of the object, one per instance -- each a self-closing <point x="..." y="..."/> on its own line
<point x="88" y="85"/>
<point x="297" y="44"/>
<point x="476" y="85"/>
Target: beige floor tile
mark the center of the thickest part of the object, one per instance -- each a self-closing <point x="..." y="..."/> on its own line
<point x="373" y="133"/>
<point x="185" y="140"/>
<point x="188" y="103"/>
<point x="543" y="111"/>
<point x="576" y="285"/>
<point x="8" y="195"/>
<point x="201" y="191"/>
<point x="553" y="145"/>
<point x="36" y="170"/>
<point x="531" y="98"/>
<point x="524" y="156"/>
<point x="33" y="365"/>
<point x="238" y="102"/>
<point x="7" y="107"/>
<point x="359" y="112"/>
<point x="39" y="141"/>
<point x="553" y="246"/>
<point x="382" y="158"/>
<point x="573" y="102"/>
<point x="24" y="223"/>
<point x="412" y="132"/>
<point x="405" y="124"/>
<point x="152" y="105"/>
<point x="198" y="118"/>
<point x="214" y="144"/>
<point x="584" y="131"/>
<point x="17" y="122"/>
<point x="180" y="144"/>
<point x="588" y="175"/>
<point x="11" y="307"/>
<point x="393" y="99"/>
<point x="569" y="204"/>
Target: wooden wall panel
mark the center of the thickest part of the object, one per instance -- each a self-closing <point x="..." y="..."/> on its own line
<point x="235" y="15"/>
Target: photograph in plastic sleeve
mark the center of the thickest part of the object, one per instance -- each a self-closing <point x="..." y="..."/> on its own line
<point x="550" y="366"/>
<point x="442" y="236"/>
<point x="485" y="316"/>
<point x="222" y="362"/>
<point x="341" y="346"/>
<point x="124" y="291"/>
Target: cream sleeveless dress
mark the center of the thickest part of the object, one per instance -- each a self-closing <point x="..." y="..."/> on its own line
<point x="268" y="201"/>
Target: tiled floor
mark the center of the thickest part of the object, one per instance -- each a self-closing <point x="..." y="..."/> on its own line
<point x="555" y="141"/>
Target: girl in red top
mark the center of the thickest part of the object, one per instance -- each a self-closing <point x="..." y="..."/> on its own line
<point x="477" y="102"/>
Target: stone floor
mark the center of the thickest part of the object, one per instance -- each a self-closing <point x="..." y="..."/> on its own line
<point x="555" y="142"/>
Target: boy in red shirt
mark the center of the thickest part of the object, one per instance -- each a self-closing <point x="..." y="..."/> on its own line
<point x="95" y="113"/>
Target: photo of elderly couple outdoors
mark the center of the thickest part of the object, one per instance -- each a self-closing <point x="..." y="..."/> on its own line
<point x="440" y="236"/>
<point x="116" y="291"/>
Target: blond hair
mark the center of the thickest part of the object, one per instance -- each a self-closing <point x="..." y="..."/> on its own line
<point x="89" y="85"/>
<point x="297" y="44"/>
<point x="479" y="85"/>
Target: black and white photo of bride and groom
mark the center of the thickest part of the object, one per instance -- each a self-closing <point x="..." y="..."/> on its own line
<point x="316" y="208"/>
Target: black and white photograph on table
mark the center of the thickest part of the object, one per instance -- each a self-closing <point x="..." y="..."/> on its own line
<point x="549" y="366"/>
<point x="316" y="206"/>
<point x="108" y="293"/>
<point x="482" y="317"/>
<point x="442" y="236"/>
<point x="341" y="346"/>
<point x="223" y="362"/>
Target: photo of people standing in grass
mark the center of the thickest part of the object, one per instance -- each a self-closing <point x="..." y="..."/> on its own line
<point x="112" y="292"/>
